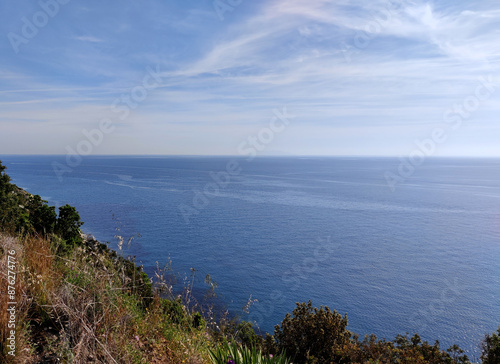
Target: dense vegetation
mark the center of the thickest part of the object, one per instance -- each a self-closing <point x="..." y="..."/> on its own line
<point x="25" y="214"/>
<point x="80" y="302"/>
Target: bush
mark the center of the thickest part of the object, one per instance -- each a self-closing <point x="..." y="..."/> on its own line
<point x="247" y="336"/>
<point x="198" y="322"/>
<point x="68" y="225"/>
<point x="313" y="335"/>
<point x="42" y="217"/>
<point x="4" y="178"/>
<point x="20" y="212"/>
<point x="175" y="311"/>
<point x="491" y="348"/>
<point x="13" y="218"/>
<point x="136" y="280"/>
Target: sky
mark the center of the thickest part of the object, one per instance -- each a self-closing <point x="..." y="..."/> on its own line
<point x="234" y="77"/>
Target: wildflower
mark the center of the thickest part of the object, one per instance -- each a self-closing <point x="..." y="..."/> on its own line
<point x="230" y="361"/>
<point x="136" y="337"/>
<point x="270" y="355"/>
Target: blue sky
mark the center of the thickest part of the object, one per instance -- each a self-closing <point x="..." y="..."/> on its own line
<point x="359" y="77"/>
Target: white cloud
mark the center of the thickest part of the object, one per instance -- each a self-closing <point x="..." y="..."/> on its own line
<point x="89" y="39"/>
<point x="224" y="79"/>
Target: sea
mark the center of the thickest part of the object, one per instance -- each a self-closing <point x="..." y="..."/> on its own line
<point x="397" y="246"/>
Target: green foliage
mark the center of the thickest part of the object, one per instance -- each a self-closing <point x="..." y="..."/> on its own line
<point x="457" y="355"/>
<point x="233" y="353"/>
<point x="42" y="217"/>
<point x="132" y="276"/>
<point x="12" y="217"/>
<point x="25" y="214"/>
<point x="313" y="335"/>
<point x="68" y="225"/>
<point x="247" y="336"/>
<point x="136" y="280"/>
<point x="198" y="322"/>
<point x="4" y="178"/>
<point x="177" y="313"/>
<point x="403" y="349"/>
<point x="415" y="348"/>
<point x="491" y="348"/>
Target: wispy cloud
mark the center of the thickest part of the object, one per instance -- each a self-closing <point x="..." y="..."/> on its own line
<point x="89" y="39"/>
<point x="224" y="78"/>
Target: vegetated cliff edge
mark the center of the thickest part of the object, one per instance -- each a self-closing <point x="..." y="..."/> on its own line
<point x="78" y="301"/>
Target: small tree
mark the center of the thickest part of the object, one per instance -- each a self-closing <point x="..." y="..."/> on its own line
<point x="42" y="217"/>
<point x="4" y="178"/>
<point x="13" y="218"/>
<point x="247" y="336"/>
<point x="313" y="335"/>
<point x="68" y="225"/>
<point x="491" y="348"/>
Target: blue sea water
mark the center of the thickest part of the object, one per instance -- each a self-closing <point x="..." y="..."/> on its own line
<point x="423" y="258"/>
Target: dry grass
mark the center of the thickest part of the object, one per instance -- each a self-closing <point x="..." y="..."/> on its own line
<point x="23" y="354"/>
<point x="81" y="309"/>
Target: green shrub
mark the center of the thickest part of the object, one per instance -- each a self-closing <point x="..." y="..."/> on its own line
<point x="42" y="217"/>
<point x="13" y="217"/>
<point x="175" y="311"/>
<point x="491" y="348"/>
<point x="136" y="280"/>
<point x="247" y="336"/>
<point x="23" y="213"/>
<point x="313" y="335"/>
<point x="197" y="321"/>
<point x="68" y="225"/>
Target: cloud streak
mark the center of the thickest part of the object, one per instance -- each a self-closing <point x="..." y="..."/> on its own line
<point x="223" y="78"/>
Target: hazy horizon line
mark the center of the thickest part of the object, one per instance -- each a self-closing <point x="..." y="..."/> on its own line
<point x="256" y="157"/>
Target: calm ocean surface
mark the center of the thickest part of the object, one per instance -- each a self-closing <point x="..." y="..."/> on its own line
<point x="423" y="258"/>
